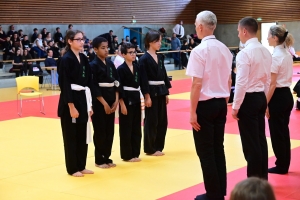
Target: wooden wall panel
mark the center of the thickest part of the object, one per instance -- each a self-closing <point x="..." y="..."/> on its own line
<point x="145" y="11"/>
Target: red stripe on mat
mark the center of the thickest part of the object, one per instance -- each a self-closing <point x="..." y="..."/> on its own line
<point x="286" y="187"/>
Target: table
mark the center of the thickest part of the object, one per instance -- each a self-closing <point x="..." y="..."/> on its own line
<point x="54" y="80"/>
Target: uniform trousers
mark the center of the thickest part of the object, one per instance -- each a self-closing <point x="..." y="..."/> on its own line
<point x="280" y="107"/>
<point x="74" y="136"/>
<point x="252" y="130"/>
<point x="130" y="132"/>
<point x="211" y="116"/>
<point x="155" y="125"/>
<point x="104" y="127"/>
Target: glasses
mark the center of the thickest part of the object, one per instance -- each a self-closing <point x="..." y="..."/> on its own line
<point x="79" y="39"/>
<point x="131" y="52"/>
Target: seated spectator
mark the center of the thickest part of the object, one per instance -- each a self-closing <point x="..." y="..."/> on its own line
<point x="114" y="45"/>
<point x="70" y="28"/>
<point x="122" y="42"/>
<point x="44" y="33"/>
<point x="54" y="47"/>
<point x="17" y="64"/>
<point x="289" y="42"/>
<point x="38" y="47"/>
<point x="26" y="43"/>
<point x="192" y="44"/>
<point x="253" y="189"/>
<point x="26" y="64"/>
<point x="34" y="35"/>
<point x="2" y="36"/>
<point x="91" y="54"/>
<point x="49" y="61"/>
<point x="58" y="37"/>
<point x="16" y="42"/>
<point x="134" y="41"/>
<point x="183" y="55"/>
<point x="11" y="30"/>
<point x="7" y="49"/>
<point x="127" y="39"/>
<point x="47" y="39"/>
<point x="20" y="34"/>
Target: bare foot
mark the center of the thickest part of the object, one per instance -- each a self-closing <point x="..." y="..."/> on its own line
<point x="161" y="152"/>
<point x="137" y="159"/>
<point x="103" y="166"/>
<point x="78" y="174"/>
<point x="86" y="171"/>
<point x="111" y="165"/>
<point x="157" y="153"/>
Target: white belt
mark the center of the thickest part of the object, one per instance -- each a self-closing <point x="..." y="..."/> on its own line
<point x="88" y="97"/>
<point x="106" y="84"/>
<point x="156" y="82"/>
<point x="141" y="96"/>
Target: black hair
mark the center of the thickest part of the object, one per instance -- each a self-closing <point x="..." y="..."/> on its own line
<point x="127" y="46"/>
<point x="35" y="29"/>
<point x="111" y="31"/>
<point x="70" y="36"/>
<point x="47" y="34"/>
<point x="97" y="41"/>
<point x="184" y="41"/>
<point x="70" y="25"/>
<point x="57" y="28"/>
<point x="250" y="24"/>
<point x="151" y="36"/>
<point x="48" y="50"/>
<point x="233" y="66"/>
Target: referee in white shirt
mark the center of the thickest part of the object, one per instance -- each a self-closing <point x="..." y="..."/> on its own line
<point x="179" y="30"/>
<point x="249" y="105"/>
<point x="210" y="66"/>
<point x="280" y="99"/>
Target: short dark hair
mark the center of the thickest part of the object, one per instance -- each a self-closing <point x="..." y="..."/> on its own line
<point x="250" y="24"/>
<point x="70" y="25"/>
<point x="48" y="50"/>
<point x="35" y="29"/>
<point x="127" y="46"/>
<point x="97" y="41"/>
<point x="57" y="28"/>
<point x="111" y="31"/>
<point x="151" y="36"/>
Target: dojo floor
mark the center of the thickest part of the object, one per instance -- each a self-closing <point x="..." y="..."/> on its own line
<point x="32" y="156"/>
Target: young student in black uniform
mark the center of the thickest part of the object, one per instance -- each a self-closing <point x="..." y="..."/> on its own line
<point x="105" y="102"/>
<point x="156" y="91"/>
<point x="75" y="104"/>
<point x="130" y="105"/>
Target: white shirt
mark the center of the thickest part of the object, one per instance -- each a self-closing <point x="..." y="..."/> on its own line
<point x="118" y="61"/>
<point x="293" y="52"/>
<point x="178" y="30"/>
<point x="39" y="41"/>
<point x="253" y="71"/>
<point x="282" y="65"/>
<point x="211" y="60"/>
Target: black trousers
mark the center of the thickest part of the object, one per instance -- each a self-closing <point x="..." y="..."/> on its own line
<point x="280" y="107"/>
<point x="74" y="136"/>
<point x="252" y="130"/>
<point x="104" y="127"/>
<point x="155" y="125"/>
<point x="130" y="132"/>
<point x="211" y="115"/>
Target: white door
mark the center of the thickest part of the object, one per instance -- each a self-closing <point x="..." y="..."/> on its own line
<point x="265" y="27"/>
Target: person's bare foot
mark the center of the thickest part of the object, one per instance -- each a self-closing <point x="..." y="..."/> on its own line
<point x="157" y="153"/>
<point x="137" y="159"/>
<point x="87" y="171"/>
<point x="111" y="165"/>
<point x="162" y="153"/>
<point x="78" y="174"/>
<point x="103" y="166"/>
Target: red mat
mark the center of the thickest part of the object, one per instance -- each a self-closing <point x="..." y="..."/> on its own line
<point x="286" y="187"/>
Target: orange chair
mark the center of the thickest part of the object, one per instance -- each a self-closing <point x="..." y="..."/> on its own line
<point x="28" y="82"/>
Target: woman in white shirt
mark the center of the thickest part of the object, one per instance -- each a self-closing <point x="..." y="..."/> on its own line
<point x="289" y="42"/>
<point x="38" y="47"/>
<point x="280" y="99"/>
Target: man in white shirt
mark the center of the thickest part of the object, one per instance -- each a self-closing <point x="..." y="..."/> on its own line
<point x="210" y="66"/>
<point x="119" y="60"/>
<point x="179" y="30"/>
<point x="249" y="105"/>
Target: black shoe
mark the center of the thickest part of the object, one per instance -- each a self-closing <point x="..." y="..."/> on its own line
<point x="275" y="170"/>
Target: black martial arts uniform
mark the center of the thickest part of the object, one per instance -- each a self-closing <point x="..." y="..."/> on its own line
<point x="130" y="124"/>
<point x="74" y="134"/>
<point x="156" y="120"/>
<point x="103" y="123"/>
<point x="297" y="90"/>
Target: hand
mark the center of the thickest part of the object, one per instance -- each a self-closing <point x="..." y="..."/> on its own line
<point x="107" y="109"/>
<point x="267" y="113"/>
<point x="123" y="109"/>
<point x="148" y="102"/>
<point x="193" y="122"/>
<point x="74" y="113"/>
<point x="91" y="112"/>
<point x="234" y="114"/>
<point x="167" y="99"/>
<point x="114" y="106"/>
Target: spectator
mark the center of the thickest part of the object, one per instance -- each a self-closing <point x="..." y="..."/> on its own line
<point x="54" y="47"/>
<point x="87" y="44"/>
<point x="2" y="36"/>
<point x="109" y="37"/>
<point x="44" y="33"/>
<point x="175" y="45"/>
<point x="122" y="42"/>
<point x="20" y="34"/>
<point x="70" y="28"/>
<point x="233" y="77"/>
<point x="179" y="30"/>
<point x="296" y="90"/>
<point x="183" y="55"/>
<point x="26" y="65"/>
<point x="47" y="39"/>
<point x="26" y="43"/>
<point x="16" y="42"/>
<point x="7" y="48"/>
<point x="253" y="188"/>
<point x="11" y="30"/>
<point x="127" y="39"/>
<point x="17" y="63"/>
<point x="114" y="45"/>
<point x="58" y="37"/>
<point x="91" y="54"/>
<point x="38" y="47"/>
<point x="192" y="44"/>
<point x="49" y="61"/>
<point x="134" y="41"/>
<point x="34" y="35"/>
